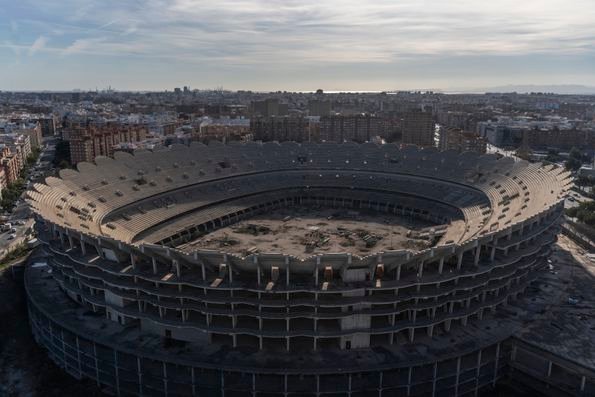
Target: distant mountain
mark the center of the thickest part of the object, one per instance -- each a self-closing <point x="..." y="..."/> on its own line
<point x="568" y="89"/>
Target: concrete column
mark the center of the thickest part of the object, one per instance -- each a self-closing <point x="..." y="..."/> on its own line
<point x="96" y="363"/>
<point x="78" y="355"/>
<point x="459" y="260"/>
<point x="398" y="272"/>
<point x="154" y="265"/>
<point x="477" y="370"/>
<point x="177" y="266"/>
<point x="193" y="379"/>
<point x="420" y="271"/>
<point x="549" y="369"/>
<point x="477" y="255"/>
<point x="286" y="270"/>
<point x="496" y="365"/>
<point x="458" y="376"/>
<point x="434" y="378"/>
<point x="441" y="265"/>
<point x="493" y="254"/>
<point x="116" y="372"/>
<point x="139" y="374"/>
<point x="83" y="247"/>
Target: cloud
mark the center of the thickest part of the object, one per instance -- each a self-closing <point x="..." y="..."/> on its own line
<point x="38" y="44"/>
<point x="291" y="35"/>
<point x="83" y="45"/>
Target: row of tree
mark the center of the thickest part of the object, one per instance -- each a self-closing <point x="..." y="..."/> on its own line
<point x="13" y="191"/>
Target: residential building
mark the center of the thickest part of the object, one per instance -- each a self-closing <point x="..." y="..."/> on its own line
<point x="418" y="129"/>
<point x="91" y="139"/>
<point x="461" y="140"/>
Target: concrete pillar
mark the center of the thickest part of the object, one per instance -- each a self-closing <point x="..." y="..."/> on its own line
<point x="458" y="376"/>
<point x="116" y="373"/>
<point x="286" y="270"/>
<point x="434" y="378"/>
<point x="139" y="374"/>
<point x="398" y="272"/>
<point x="477" y="255"/>
<point x="477" y="370"/>
<point x="96" y="362"/>
<point x="496" y="365"/>
<point x="257" y="270"/>
<point x="441" y="265"/>
<point x="154" y="265"/>
<point x="493" y="254"/>
<point x="177" y="266"/>
<point x="193" y="380"/>
<point x="78" y="355"/>
<point x="459" y="260"/>
<point x="549" y="369"/>
<point x="420" y="271"/>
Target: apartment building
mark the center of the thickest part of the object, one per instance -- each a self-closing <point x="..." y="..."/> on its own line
<point x="91" y="139"/>
<point x="418" y="129"/>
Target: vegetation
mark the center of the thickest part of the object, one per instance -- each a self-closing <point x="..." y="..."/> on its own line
<point x="62" y="156"/>
<point x="18" y="252"/>
<point x="553" y="156"/>
<point x="575" y="159"/>
<point x="584" y="212"/>
<point x="14" y="190"/>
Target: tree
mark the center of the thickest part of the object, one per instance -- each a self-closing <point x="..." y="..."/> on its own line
<point x="575" y="160"/>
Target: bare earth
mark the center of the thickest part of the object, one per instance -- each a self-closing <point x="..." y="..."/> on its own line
<point x="307" y="231"/>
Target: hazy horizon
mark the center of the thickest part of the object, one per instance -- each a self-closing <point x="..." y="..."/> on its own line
<point x="295" y="45"/>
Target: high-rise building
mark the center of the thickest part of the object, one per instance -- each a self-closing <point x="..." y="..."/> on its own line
<point x="269" y="107"/>
<point x="91" y="139"/>
<point x="284" y="128"/>
<point x="461" y="140"/>
<point x="356" y="128"/>
<point x="418" y="129"/>
<point x="317" y="107"/>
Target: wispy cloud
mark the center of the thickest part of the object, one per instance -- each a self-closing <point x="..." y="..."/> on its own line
<point x="83" y="46"/>
<point x="289" y="31"/>
<point x="38" y="44"/>
<point x="287" y="35"/>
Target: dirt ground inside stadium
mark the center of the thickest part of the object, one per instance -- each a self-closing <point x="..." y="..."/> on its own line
<point x="307" y="231"/>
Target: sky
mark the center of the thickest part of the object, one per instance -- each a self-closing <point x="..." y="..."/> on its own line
<point x="295" y="45"/>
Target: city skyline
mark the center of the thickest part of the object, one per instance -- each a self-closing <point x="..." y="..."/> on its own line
<point x="295" y="46"/>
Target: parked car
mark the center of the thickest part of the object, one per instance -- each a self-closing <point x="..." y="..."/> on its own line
<point x="12" y="236"/>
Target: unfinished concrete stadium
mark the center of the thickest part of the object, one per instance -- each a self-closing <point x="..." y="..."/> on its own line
<point x="290" y="269"/>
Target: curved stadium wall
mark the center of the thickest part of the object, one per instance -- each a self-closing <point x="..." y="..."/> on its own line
<point x="129" y="303"/>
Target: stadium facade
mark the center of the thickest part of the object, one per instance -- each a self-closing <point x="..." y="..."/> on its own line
<point x="126" y="301"/>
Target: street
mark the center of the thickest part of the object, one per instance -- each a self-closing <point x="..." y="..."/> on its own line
<point x="20" y="217"/>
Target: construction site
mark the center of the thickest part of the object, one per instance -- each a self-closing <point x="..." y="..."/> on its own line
<point x="309" y="230"/>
